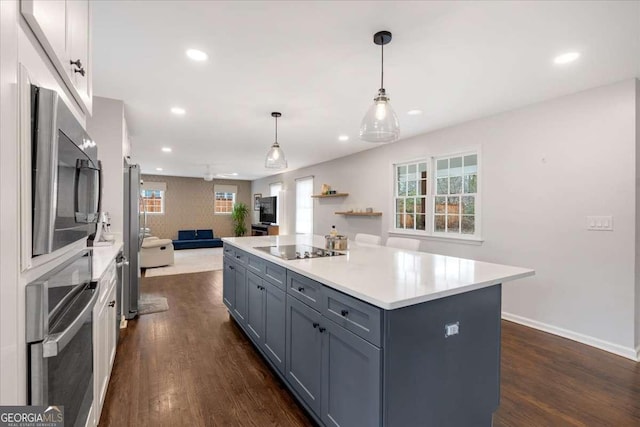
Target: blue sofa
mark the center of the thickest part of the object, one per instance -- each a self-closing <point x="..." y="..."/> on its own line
<point x="193" y="239"/>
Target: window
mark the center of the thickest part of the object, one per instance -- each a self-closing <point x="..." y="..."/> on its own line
<point x="304" y="205"/>
<point x="437" y="197"/>
<point x="411" y="196"/>
<point x="152" y="201"/>
<point x="454" y="207"/>
<point x="223" y="202"/>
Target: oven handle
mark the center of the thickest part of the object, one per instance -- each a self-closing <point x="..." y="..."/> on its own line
<point x="55" y="343"/>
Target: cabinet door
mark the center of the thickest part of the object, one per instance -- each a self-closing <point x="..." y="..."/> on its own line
<point x="304" y="351"/>
<point x="78" y="47"/>
<point x="351" y="379"/>
<point x="229" y="284"/>
<point x="102" y="370"/>
<point x="255" y="308"/>
<point x="111" y="328"/>
<point x="274" y="324"/>
<point x="240" y="303"/>
<point x="48" y="20"/>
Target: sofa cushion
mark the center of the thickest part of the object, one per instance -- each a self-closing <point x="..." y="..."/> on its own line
<point x="204" y="234"/>
<point x="186" y="235"/>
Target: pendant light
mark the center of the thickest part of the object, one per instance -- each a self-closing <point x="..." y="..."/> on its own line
<point x="275" y="156"/>
<point x="380" y="124"/>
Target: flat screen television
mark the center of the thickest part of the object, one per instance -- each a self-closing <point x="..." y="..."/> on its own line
<point x="268" y="209"/>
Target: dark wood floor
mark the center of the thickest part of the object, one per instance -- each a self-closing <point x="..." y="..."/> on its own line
<point x="192" y="366"/>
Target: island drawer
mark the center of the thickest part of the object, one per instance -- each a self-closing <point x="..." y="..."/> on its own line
<point x="241" y="256"/>
<point x="357" y="316"/>
<point x="275" y="274"/>
<point x="304" y="289"/>
<point x="255" y="264"/>
<point x="229" y="251"/>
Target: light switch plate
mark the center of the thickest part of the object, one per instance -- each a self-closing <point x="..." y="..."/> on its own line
<point x="600" y="223"/>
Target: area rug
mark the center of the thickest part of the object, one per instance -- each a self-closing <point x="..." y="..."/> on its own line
<point x="148" y="304"/>
<point x="190" y="261"/>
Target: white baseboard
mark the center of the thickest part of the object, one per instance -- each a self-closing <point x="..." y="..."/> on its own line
<point x="629" y="353"/>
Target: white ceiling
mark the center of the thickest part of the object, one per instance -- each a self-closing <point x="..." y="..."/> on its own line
<point x="316" y="63"/>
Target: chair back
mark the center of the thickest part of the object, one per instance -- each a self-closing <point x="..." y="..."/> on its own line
<point x="370" y="239"/>
<point x="403" y="243"/>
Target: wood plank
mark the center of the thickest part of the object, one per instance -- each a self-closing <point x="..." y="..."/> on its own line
<point x="192" y="366"/>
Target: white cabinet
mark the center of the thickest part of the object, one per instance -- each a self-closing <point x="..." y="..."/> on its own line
<point x="63" y="28"/>
<point x="104" y="338"/>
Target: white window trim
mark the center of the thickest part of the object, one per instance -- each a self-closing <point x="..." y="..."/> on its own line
<point x="429" y="233"/>
<point x="162" y="201"/>
<point x="215" y="200"/>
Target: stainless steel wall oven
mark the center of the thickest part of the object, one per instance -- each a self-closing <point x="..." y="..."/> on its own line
<point x="59" y="335"/>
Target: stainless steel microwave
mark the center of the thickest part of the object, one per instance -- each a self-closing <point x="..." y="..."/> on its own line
<point x="66" y="175"/>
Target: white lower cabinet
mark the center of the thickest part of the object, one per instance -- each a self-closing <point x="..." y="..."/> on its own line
<point x="104" y="338"/>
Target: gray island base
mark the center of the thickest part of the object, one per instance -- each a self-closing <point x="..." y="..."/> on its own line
<point x="350" y="363"/>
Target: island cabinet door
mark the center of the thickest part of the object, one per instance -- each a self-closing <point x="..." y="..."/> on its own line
<point x="255" y="308"/>
<point x="274" y="324"/>
<point x="240" y="307"/>
<point x="351" y="379"/>
<point x="304" y="352"/>
<point x="229" y="284"/>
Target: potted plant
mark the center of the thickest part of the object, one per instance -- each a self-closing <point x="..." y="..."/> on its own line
<point x="239" y="215"/>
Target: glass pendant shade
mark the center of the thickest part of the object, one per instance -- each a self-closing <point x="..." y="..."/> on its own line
<point x="275" y="158"/>
<point x="380" y="124"/>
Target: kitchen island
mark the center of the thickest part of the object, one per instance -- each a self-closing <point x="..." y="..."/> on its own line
<point x="374" y="336"/>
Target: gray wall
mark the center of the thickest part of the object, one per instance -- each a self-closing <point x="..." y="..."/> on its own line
<point x="544" y="169"/>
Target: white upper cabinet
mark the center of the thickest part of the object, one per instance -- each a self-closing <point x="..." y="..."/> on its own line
<point x="63" y="28"/>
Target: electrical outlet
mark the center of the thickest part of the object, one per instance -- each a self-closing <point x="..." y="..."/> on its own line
<point x="600" y="223"/>
<point x="451" y="329"/>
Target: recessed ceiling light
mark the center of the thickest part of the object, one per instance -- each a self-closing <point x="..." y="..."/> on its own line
<point x="414" y="112"/>
<point x="197" y="55"/>
<point x="178" y="110"/>
<point x="159" y="169"/>
<point x="166" y="149"/>
<point x="566" y="58"/>
<point x="343" y="138"/>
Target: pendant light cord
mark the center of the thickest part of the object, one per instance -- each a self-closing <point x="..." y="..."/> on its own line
<point x="276" y="129"/>
<point x="382" y="68"/>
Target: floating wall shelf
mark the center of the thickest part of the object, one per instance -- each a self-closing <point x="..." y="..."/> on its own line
<point x="322" y="196"/>
<point x="359" y="213"/>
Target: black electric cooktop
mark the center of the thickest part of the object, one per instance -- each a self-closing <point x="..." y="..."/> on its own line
<point x="289" y="252"/>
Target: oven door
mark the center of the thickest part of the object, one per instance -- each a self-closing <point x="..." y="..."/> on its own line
<point x="61" y="366"/>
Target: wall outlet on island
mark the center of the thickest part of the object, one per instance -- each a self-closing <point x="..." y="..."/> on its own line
<point x="451" y="329"/>
<point x="600" y="223"/>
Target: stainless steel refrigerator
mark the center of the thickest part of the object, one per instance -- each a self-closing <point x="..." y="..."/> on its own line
<point x="133" y="221"/>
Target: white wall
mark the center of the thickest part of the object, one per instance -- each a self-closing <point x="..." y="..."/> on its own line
<point x="9" y="201"/>
<point x="544" y="169"/>
<point x="637" y="325"/>
<point x="106" y="127"/>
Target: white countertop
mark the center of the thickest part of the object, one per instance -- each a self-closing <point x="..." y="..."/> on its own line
<point x="388" y="278"/>
<point x="103" y="256"/>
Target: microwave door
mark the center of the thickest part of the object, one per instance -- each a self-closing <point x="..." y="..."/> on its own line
<point x="44" y="170"/>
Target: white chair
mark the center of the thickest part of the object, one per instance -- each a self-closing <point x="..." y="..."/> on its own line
<point x="370" y="239"/>
<point x="156" y="252"/>
<point x="403" y="243"/>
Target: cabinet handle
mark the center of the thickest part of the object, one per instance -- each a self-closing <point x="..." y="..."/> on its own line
<point x="300" y="289"/>
<point x="231" y="267"/>
<point x="238" y="256"/>
<point x="112" y="303"/>
<point x="322" y="330"/>
<point x="344" y="313"/>
<point x="78" y="64"/>
<point x="315" y="325"/>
